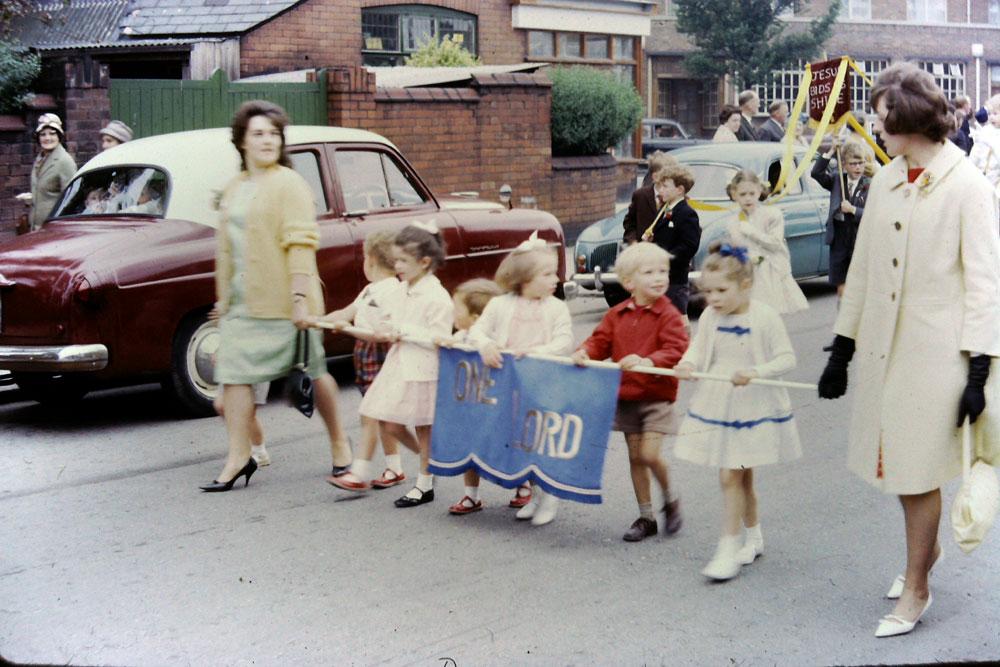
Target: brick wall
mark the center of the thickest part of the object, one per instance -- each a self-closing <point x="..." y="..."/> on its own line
<point x="78" y="92"/>
<point x="327" y="33"/>
<point x="494" y="132"/>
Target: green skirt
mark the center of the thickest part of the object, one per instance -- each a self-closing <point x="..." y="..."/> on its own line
<point x="253" y="350"/>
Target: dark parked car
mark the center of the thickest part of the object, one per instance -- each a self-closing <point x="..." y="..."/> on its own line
<point x="117" y="286"/>
<point x="714" y="165"/>
<point x="664" y="134"/>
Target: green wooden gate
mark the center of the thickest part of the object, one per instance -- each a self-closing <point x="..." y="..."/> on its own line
<point x="158" y="106"/>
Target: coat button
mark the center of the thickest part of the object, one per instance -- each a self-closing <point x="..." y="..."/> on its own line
<point x="898" y="226"/>
<point x="893" y="297"/>
<point x="895" y="262"/>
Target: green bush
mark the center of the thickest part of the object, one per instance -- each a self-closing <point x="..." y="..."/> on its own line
<point x="591" y="110"/>
<point x="18" y="70"/>
<point x="449" y="52"/>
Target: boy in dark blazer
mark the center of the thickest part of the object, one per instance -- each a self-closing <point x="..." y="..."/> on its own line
<point x="675" y="229"/>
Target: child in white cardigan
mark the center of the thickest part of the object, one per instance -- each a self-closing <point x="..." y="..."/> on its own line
<point x="528" y="318"/>
<point x="736" y="426"/>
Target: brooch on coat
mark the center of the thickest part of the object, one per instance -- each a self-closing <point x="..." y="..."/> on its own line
<point x="925" y="181"/>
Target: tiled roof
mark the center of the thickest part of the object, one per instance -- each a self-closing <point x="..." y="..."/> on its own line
<point x="191" y="17"/>
<point x="78" y="23"/>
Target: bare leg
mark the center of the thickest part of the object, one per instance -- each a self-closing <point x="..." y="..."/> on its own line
<point x="922" y="514"/>
<point x="638" y="469"/>
<point x="840" y="293"/>
<point x="237" y="400"/>
<point x="750" y="517"/>
<point x="369" y="438"/>
<point x="471" y="477"/>
<point x="325" y="389"/>
<point x="398" y="433"/>
<point x="256" y="430"/>
<point x="651" y="444"/>
<point x="733" y="500"/>
<point x="424" y="442"/>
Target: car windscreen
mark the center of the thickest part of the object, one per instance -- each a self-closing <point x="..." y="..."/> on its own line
<point x="127" y="190"/>
<point x="710" y="180"/>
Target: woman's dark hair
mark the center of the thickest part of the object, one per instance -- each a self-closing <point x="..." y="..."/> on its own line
<point x="420" y="243"/>
<point x="241" y="121"/>
<point x="728" y="111"/>
<point x="913" y="101"/>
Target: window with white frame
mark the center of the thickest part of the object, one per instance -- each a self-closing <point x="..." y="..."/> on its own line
<point x="856" y="9"/>
<point x="993" y="15"/>
<point x="950" y="76"/>
<point x="994" y="79"/>
<point x="927" y="11"/>
<point x="861" y="92"/>
<point x="782" y="85"/>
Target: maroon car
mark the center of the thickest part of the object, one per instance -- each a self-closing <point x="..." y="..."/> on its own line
<point x="117" y="286"/>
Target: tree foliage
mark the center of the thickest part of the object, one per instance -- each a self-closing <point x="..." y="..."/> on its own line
<point x="591" y="110"/>
<point x="746" y="39"/>
<point x="18" y="70"/>
<point x="449" y="52"/>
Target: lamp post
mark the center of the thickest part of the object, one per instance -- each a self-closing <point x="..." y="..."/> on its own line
<point x="977" y="53"/>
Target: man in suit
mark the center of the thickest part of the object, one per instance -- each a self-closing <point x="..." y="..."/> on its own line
<point x="749" y="103"/>
<point x="773" y="128"/>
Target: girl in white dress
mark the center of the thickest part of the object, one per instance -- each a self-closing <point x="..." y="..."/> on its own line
<point x="528" y="318"/>
<point x="762" y="230"/>
<point x="404" y="391"/>
<point x="736" y="427"/>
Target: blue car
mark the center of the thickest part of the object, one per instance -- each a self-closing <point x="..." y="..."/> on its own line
<point x="714" y="165"/>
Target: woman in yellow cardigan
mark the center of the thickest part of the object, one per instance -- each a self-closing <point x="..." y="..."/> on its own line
<point x="267" y="286"/>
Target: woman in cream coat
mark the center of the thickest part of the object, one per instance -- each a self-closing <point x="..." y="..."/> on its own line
<point x="922" y="307"/>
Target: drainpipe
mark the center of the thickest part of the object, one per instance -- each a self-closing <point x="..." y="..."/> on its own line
<point x="977" y="53"/>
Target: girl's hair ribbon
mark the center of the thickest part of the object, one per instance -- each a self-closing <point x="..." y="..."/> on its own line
<point x="737" y="251"/>
<point x="430" y="227"/>
<point x="532" y="243"/>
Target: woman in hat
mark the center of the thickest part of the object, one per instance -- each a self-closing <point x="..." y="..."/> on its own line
<point x="52" y="172"/>
<point x="114" y="134"/>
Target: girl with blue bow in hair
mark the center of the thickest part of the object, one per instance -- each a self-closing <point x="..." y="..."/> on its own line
<point x="737" y="426"/>
<point x="762" y="230"/>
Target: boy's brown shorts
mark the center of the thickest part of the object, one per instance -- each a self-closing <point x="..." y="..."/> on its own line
<point x="645" y="417"/>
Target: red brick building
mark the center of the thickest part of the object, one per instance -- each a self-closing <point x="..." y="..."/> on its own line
<point x="958" y="41"/>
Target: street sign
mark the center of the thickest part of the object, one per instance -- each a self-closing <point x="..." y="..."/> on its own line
<point x="821" y="86"/>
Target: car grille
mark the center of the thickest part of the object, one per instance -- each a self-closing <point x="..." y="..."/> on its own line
<point x="604" y="256"/>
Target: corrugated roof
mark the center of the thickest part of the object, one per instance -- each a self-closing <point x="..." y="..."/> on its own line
<point x="412" y="77"/>
<point x="195" y="17"/>
<point x="78" y="23"/>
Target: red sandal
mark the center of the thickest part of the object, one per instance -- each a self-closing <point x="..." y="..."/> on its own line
<point x="466" y="506"/>
<point x="522" y="496"/>
<point x="389" y="478"/>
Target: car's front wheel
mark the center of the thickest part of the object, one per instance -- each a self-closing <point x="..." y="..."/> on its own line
<point x="52" y="388"/>
<point x="192" y="371"/>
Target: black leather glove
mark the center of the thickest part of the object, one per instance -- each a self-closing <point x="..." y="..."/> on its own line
<point x="833" y="382"/>
<point x="973" y="400"/>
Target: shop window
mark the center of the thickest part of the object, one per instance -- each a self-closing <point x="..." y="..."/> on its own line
<point x="389" y="34"/>
<point x="541" y="44"/>
<point x="569" y="45"/>
<point x="625" y="48"/>
<point x="597" y="47"/>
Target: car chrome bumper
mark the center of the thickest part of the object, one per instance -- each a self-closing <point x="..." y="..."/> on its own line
<point x="596" y="280"/>
<point x="53" y="359"/>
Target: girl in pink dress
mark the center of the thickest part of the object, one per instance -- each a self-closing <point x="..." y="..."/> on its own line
<point x="528" y="318"/>
<point x="403" y="392"/>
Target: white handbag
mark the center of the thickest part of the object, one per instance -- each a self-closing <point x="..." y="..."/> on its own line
<point x="977" y="501"/>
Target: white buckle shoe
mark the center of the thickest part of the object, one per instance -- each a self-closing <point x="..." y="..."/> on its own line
<point x="748" y="554"/>
<point x="724" y="564"/>
<point x="899" y="582"/>
<point x="548" y="506"/>
<point x="891" y="625"/>
<point x="528" y="510"/>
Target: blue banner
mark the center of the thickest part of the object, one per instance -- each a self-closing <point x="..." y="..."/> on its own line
<point x="531" y="420"/>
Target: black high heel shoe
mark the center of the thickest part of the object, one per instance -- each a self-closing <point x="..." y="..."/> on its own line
<point x="216" y="486"/>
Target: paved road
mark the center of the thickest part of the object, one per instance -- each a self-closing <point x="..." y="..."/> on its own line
<point x="110" y="555"/>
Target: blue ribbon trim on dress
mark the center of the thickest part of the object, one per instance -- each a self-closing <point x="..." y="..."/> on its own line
<point x="739" y="331"/>
<point x="740" y="424"/>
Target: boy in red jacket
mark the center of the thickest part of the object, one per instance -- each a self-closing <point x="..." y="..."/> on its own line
<point x="644" y="330"/>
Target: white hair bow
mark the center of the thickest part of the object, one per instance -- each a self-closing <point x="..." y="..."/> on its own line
<point x="430" y="227"/>
<point x="532" y="243"/>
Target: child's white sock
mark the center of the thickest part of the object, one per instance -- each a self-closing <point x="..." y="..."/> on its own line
<point x="646" y="511"/>
<point x="669" y="495"/>
<point x="362" y="469"/>
<point x="754" y="534"/>
<point x="425" y="482"/>
<point x="394" y="462"/>
<point x="472" y="492"/>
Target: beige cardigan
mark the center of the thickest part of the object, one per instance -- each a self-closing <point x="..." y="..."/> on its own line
<point x="48" y="180"/>
<point x="281" y="237"/>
